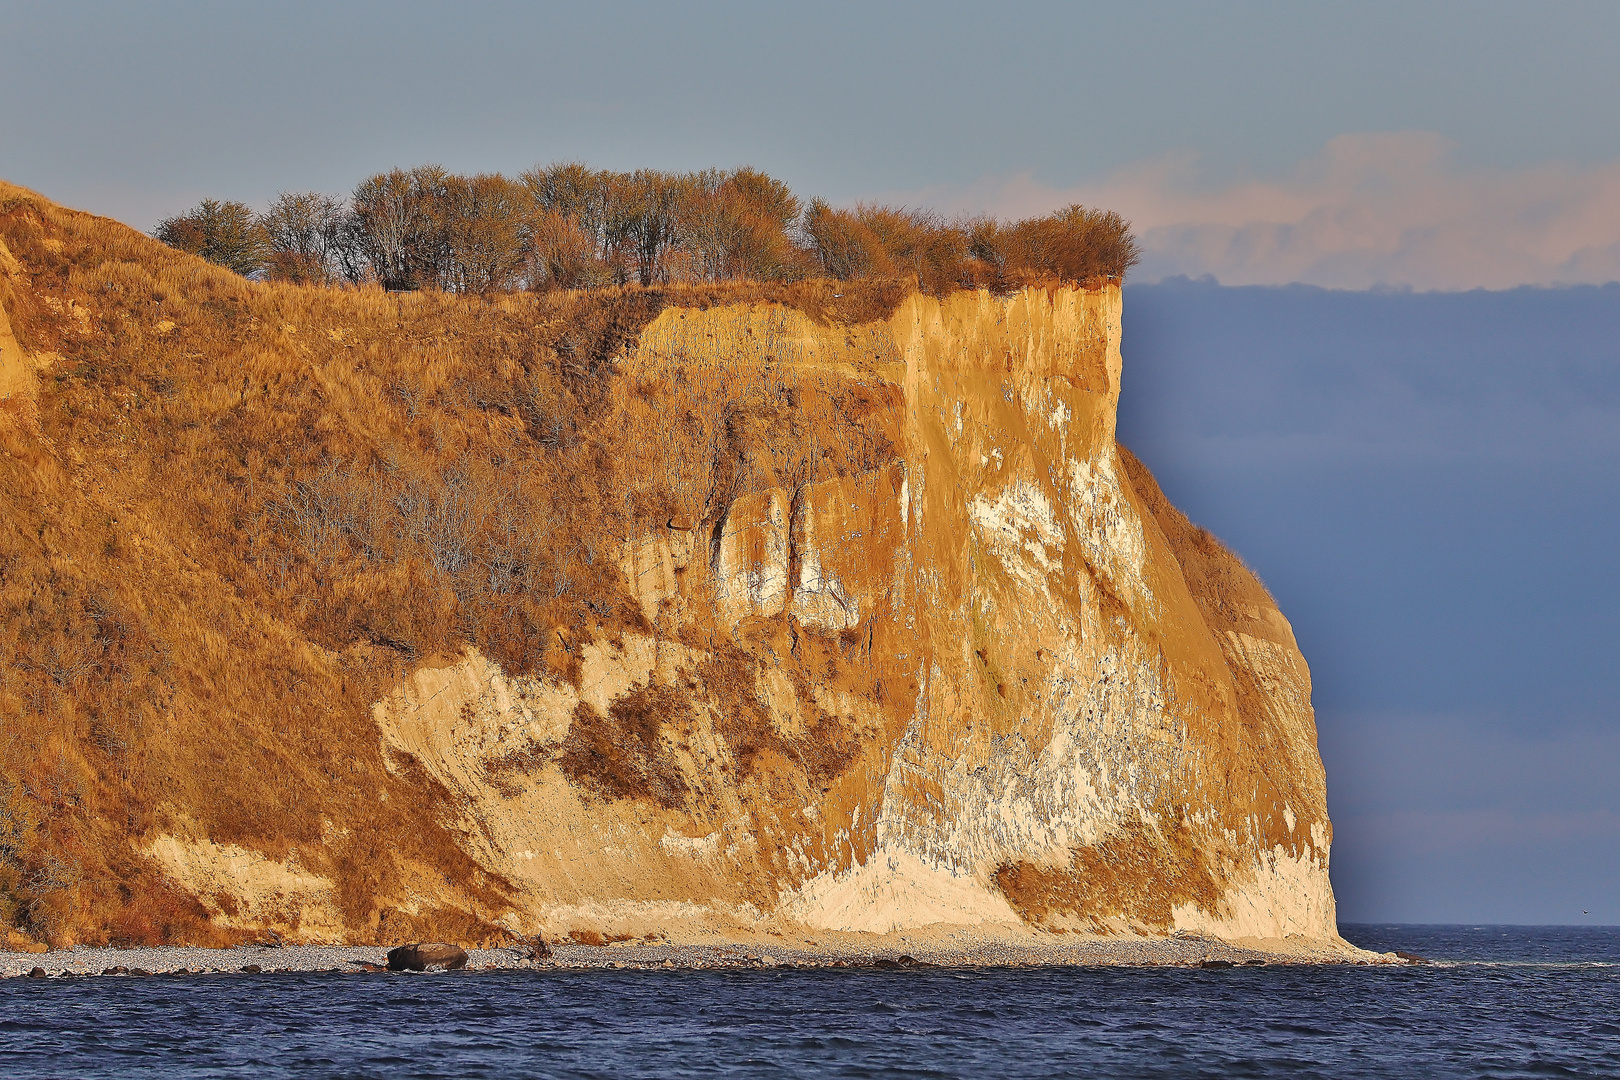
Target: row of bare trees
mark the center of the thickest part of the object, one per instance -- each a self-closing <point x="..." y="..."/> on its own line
<point x="568" y="226"/>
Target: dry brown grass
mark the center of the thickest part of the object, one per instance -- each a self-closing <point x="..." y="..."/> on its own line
<point x="237" y="513"/>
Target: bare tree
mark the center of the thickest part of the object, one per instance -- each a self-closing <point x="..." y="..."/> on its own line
<point x="842" y="244"/>
<point x="650" y="217"/>
<point x="485" y="229"/>
<point x="917" y="242"/>
<point x="739" y="226"/>
<point x="385" y="208"/>
<point x="351" y="249"/>
<point x="303" y="230"/>
<point x="578" y="224"/>
<point x="563" y="254"/>
<point x="577" y="194"/>
<point x="402" y="226"/>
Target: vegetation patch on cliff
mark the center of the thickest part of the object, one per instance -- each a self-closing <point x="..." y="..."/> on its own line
<point x="1138" y="874"/>
<point x="623" y="755"/>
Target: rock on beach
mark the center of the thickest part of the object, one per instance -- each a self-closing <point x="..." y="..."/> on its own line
<point x="421" y="956"/>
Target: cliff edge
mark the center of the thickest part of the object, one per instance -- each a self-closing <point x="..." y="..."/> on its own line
<point x="354" y="615"/>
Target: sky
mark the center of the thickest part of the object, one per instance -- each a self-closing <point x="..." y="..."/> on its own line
<point x="1333" y="354"/>
<point x="1427" y="483"/>
<point x="1441" y="145"/>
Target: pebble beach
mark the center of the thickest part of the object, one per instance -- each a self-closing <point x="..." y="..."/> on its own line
<point x="1188" y="951"/>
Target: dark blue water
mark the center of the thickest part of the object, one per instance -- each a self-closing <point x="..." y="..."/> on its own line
<point x="1506" y="1001"/>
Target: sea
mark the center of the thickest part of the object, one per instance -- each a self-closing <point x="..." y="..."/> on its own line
<point x="1495" y="1001"/>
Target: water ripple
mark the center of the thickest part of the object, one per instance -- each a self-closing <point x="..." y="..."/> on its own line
<point x="1534" y="1005"/>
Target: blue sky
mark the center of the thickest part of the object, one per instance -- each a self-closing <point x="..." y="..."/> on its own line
<point x="1441" y="145"/>
<point x="1427" y="483"/>
<point x="1425" y="475"/>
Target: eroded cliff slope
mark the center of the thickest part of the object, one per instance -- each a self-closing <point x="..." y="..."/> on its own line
<point x="356" y="615"/>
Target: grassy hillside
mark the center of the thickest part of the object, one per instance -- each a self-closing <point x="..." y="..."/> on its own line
<point x="236" y="513"/>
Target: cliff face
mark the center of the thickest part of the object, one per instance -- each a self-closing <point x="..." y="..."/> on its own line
<point x="1033" y="691"/>
<point x="892" y="634"/>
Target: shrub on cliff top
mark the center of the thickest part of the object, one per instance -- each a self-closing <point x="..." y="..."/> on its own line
<point x="567" y="226"/>
<point x="227" y="233"/>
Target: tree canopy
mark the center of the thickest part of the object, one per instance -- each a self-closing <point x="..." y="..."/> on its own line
<point x="567" y="226"/>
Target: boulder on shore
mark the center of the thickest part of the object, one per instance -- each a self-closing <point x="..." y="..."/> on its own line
<point x="420" y="957"/>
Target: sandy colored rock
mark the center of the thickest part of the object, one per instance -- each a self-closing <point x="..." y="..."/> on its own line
<point x="1077" y="711"/>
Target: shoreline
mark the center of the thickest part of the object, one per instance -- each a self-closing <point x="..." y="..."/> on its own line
<point x="1188" y="952"/>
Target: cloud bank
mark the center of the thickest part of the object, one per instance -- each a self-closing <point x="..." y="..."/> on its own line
<point x="1370" y="209"/>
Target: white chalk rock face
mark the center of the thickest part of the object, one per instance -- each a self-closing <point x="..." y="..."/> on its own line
<point x="997" y="681"/>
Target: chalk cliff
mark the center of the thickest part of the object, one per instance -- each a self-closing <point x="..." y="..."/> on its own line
<point x="888" y="631"/>
<point x="1058" y="703"/>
